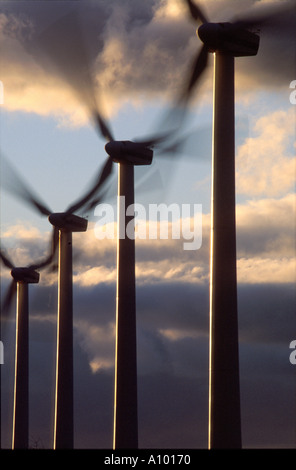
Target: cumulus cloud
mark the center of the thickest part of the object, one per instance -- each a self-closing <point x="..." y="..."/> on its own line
<point x="24" y="244"/>
<point x="90" y="336"/>
<point x="265" y="238"/>
<point x="95" y="275"/>
<point x="258" y="270"/>
<point x="266" y="227"/>
<point x="21" y="231"/>
<point x="266" y="162"/>
<point x="139" y="51"/>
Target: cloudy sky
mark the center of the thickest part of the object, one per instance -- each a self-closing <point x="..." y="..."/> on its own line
<point x="141" y="52"/>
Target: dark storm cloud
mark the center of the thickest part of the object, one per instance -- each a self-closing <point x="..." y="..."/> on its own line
<point x="177" y="414"/>
<point x="174" y="306"/>
<point x="267" y="313"/>
<point x="172" y="369"/>
<point x="95" y="304"/>
<point x="93" y="404"/>
<point x="268" y="404"/>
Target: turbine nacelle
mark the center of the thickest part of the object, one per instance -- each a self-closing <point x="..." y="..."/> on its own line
<point x="68" y="222"/>
<point x="130" y="153"/>
<point x="26" y="275"/>
<point x="229" y="39"/>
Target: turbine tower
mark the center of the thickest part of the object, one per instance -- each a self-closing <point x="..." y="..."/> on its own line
<point x="20" y="435"/>
<point x="125" y="430"/>
<point x="226" y="41"/>
<point x="22" y="277"/>
<point x="224" y="384"/>
<point x="127" y="154"/>
<point x="64" y="392"/>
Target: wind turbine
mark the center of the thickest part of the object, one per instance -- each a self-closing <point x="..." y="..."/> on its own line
<point x="127" y="154"/>
<point x="65" y="223"/>
<point x="226" y="41"/>
<point x="22" y="277"/>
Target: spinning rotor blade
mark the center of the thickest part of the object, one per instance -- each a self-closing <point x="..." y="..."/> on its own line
<point x="73" y="63"/>
<point x="6" y="261"/>
<point x="42" y="264"/>
<point x="194" y="145"/>
<point x="198" y="67"/>
<point x="70" y="58"/>
<point x="268" y="16"/>
<point x="200" y="63"/>
<point x="103" y="127"/>
<point x="10" y="294"/>
<point x="103" y="175"/>
<point x="280" y="19"/>
<point x="196" y="12"/>
<point x="52" y="251"/>
<point x="11" y="291"/>
<point x="14" y="184"/>
<point x="153" y="140"/>
<point x="283" y="16"/>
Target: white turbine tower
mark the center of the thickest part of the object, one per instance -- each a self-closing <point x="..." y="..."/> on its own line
<point x="226" y="41"/>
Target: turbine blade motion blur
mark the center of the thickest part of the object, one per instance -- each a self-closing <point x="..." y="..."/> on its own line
<point x="103" y="128"/>
<point x="283" y="17"/>
<point x="14" y="184"/>
<point x="103" y="175"/>
<point x="52" y="251"/>
<point x="6" y="261"/>
<point x="189" y="145"/>
<point x="151" y="141"/>
<point x="196" y="12"/>
<point x="9" y="296"/>
<point x="72" y="61"/>
<point x="52" y="260"/>
<point x="279" y="17"/>
<point x="197" y="69"/>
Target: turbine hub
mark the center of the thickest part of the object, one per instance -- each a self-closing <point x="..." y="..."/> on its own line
<point x="68" y="222"/>
<point x="229" y="39"/>
<point x="129" y="153"/>
<point x="26" y="275"/>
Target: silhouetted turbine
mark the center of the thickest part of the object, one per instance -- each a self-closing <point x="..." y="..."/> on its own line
<point x="226" y="41"/>
<point x="65" y="223"/>
<point x="22" y="277"/>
